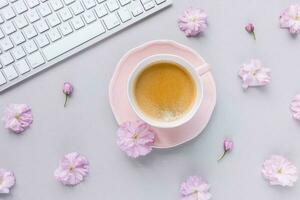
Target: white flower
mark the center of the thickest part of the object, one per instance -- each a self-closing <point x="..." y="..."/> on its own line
<point x="280" y="171"/>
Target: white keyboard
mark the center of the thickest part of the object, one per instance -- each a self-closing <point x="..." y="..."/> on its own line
<point x="36" y="34"/>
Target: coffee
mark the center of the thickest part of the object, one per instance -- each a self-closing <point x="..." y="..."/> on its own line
<point x="164" y="91"/>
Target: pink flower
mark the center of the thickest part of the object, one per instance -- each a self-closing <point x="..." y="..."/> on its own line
<point x="67" y="90"/>
<point x="7" y="181"/>
<point x="295" y="107"/>
<point x="254" y="74"/>
<point x="72" y="169"/>
<point x="17" y="117"/>
<point x="290" y="19"/>
<point x="279" y="171"/>
<point x="227" y="146"/>
<point x="193" y="21"/>
<point x="135" y="138"/>
<point x="195" y="188"/>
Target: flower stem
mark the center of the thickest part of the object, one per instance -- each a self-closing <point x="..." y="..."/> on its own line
<point x="66" y="100"/>
<point x="254" y="36"/>
<point x="222" y="156"/>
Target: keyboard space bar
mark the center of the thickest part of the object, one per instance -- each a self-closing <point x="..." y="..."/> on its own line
<point x="73" y="40"/>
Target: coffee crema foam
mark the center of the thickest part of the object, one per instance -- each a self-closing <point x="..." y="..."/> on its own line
<point x="164" y="91"/>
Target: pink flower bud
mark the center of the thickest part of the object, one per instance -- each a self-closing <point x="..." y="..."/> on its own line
<point x="249" y="28"/>
<point x="68" y="88"/>
<point x="228" y="145"/>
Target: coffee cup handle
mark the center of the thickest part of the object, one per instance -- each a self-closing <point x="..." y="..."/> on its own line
<point x="203" y="69"/>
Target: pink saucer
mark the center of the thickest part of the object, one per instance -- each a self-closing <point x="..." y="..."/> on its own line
<point x="166" y="138"/>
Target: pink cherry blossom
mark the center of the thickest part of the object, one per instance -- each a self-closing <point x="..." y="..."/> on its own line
<point x="7" y="181"/>
<point x="72" y="169"/>
<point x="295" y="107"/>
<point x="17" y="117"/>
<point x="290" y="19"/>
<point x="195" y="188"/>
<point x="254" y="74"/>
<point x="193" y="21"/>
<point x="279" y="171"/>
<point x="67" y="90"/>
<point x="135" y="138"/>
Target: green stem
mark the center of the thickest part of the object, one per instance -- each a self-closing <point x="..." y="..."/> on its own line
<point x="222" y="156"/>
<point x="66" y="100"/>
<point x="254" y="36"/>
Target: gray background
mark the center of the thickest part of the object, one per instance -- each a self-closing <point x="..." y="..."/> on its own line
<point x="258" y="120"/>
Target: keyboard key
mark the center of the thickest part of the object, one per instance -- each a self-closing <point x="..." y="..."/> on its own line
<point x="101" y="1"/>
<point x="32" y="16"/>
<point x="8" y="13"/>
<point x="29" y="32"/>
<point x="2" y="79"/>
<point x="65" y="14"/>
<point x="75" y="39"/>
<point x="160" y="1"/>
<point x="56" y="4"/>
<point x="8" y="27"/>
<point x="89" y="17"/>
<point x="42" y="40"/>
<point x="124" y="14"/>
<point x="111" y="21"/>
<point x="20" y="6"/>
<point x="35" y="59"/>
<point x="124" y="2"/>
<point x="3" y="3"/>
<point x="148" y="4"/>
<point x="1" y="20"/>
<point x="89" y="3"/>
<point x="66" y="29"/>
<point x="6" y="44"/>
<point x="18" y="52"/>
<point x="44" y="9"/>
<point x="32" y="3"/>
<point x="41" y="26"/>
<point x="30" y="46"/>
<point x="77" y="23"/>
<point x="101" y="11"/>
<point x="77" y="8"/>
<point x="53" y="20"/>
<point x="67" y="2"/>
<point x="6" y="58"/>
<point x="18" y="38"/>
<point x="136" y="9"/>
<point x="112" y="5"/>
<point x="10" y="72"/>
<point x="21" y="21"/>
<point x="22" y="66"/>
<point x="1" y="34"/>
<point x="54" y="35"/>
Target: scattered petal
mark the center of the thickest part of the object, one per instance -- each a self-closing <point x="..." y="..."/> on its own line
<point x="279" y="171"/>
<point x="7" y="181"/>
<point x="135" y="138"/>
<point x="290" y="19"/>
<point x="195" y="188"/>
<point x="17" y="117"/>
<point x="295" y="107"/>
<point x="72" y="169"/>
<point x="193" y="22"/>
<point x="254" y="74"/>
